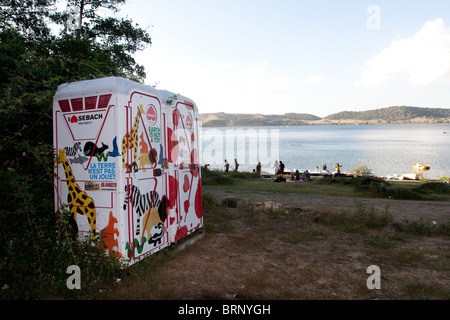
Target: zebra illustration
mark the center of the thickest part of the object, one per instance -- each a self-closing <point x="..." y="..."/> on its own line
<point x="140" y="202"/>
<point x="72" y="151"/>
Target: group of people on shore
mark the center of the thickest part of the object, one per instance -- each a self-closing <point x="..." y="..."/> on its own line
<point x="280" y="170"/>
<point x="227" y="165"/>
<point x="236" y="166"/>
<point x="305" y="175"/>
<point x="295" y="175"/>
<point x="337" y="168"/>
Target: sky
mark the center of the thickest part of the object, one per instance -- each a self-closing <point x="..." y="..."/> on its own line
<point x="316" y="57"/>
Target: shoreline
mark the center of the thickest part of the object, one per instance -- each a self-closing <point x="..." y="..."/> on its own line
<point x="327" y="122"/>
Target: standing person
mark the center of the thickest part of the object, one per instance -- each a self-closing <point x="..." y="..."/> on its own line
<point x="277" y="167"/>
<point x="227" y="166"/>
<point x="281" y="167"/>
<point x="338" y="167"/>
<point x="258" y="169"/>
<point x="236" y="165"/>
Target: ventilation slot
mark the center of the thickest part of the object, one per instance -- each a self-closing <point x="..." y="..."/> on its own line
<point x="64" y="105"/>
<point x="90" y="103"/>
<point x="77" y="104"/>
<point x="104" y="101"/>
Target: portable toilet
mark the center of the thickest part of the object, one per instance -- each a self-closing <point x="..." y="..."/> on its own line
<point x="127" y="164"/>
<point x="185" y="193"/>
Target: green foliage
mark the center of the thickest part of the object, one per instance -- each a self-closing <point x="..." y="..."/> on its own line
<point x="379" y="241"/>
<point x="215" y="177"/>
<point x="381" y="188"/>
<point x="227" y="119"/>
<point x="209" y="202"/>
<point x="421" y="228"/>
<point x="37" y="251"/>
<point x="360" y="220"/>
<point x="27" y="16"/>
<point x="434" y="187"/>
<point x="244" y="175"/>
<point x="119" y="38"/>
<point x="36" y="243"/>
<point x="401" y="113"/>
<point x="219" y="177"/>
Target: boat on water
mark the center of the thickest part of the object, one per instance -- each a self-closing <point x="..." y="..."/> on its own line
<point x="421" y="167"/>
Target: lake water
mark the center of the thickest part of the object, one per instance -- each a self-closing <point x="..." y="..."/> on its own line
<point x="386" y="149"/>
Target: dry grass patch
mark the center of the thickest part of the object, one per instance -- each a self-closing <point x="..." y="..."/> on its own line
<point x="289" y="253"/>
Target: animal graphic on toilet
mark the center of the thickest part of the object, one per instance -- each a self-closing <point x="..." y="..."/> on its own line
<point x="79" y="201"/>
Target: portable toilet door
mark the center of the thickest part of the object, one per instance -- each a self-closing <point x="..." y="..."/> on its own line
<point x="185" y="194"/>
<point x="145" y="202"/>
<point x="108" y="136"/>
<point x="86" y="177"/>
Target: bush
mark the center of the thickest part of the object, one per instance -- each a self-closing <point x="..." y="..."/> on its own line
<point x="218" y="177"/>
<point x="361" y="170"/>
<point x="420" y="228"/>
<point x="215" y="177"/>
<point x="360" y="220"/>
<point x="209" y="202"/>
<point x="434" y="187"/>
<point x="35" y="255"/>
<point x="35" y="250"/>
<point x="383" y="188"/>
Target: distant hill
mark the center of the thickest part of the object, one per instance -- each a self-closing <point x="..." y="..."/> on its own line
<point x="401" y="114"/>
<point x="392" y="114"/>
<point x="245" y="119"/>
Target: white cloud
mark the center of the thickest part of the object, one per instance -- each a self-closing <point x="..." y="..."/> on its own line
<point x="314" y="80"/>
<point x="261" y="77"/>
<point x="424" y="59"/>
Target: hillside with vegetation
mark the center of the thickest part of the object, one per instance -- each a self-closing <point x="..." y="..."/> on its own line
<point x="241" y="120"/>
<point x="398" y="114"/>
<point x="393" y="114"/>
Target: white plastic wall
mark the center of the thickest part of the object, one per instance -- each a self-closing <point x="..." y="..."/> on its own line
<point x="128" y="169"/>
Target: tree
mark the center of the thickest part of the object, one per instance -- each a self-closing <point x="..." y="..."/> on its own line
<point x="30" y="17"/>
<point x="119" y="37"/>
<point x="34" y="249"/>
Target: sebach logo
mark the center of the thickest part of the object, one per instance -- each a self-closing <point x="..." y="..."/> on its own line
<point x="152" y="116"/>
<point x="84" y="117"/>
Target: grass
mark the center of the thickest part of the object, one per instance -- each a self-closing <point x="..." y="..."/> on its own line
<point x="421" y="228"/>
<point x="356" y="222"/>
<point x="342" y="187"/>
<point x="312" y="249"/>
<point x="285" y="253"/>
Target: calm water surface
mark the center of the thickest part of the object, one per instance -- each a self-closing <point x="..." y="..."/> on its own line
<point x="386" y="149"/>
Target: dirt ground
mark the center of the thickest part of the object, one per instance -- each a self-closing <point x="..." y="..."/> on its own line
<point x="401" y="210"/>
<point x="258" y="256"/>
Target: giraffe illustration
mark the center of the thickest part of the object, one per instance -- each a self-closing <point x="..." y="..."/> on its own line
<point x="78" y="200"/>
<point x="130" y="141"/>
